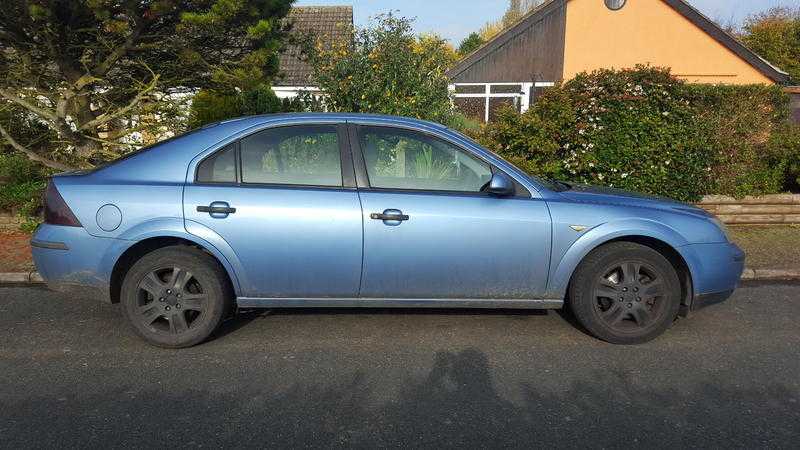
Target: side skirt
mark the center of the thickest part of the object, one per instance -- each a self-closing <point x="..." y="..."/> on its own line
<point x="245" y="302"/>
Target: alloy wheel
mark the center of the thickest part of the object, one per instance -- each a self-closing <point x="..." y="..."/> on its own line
<point x="628" y="296"/>
<point x="170" y="300"/>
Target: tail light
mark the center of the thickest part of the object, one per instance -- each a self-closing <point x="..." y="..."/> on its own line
<point x="56" y="211"/>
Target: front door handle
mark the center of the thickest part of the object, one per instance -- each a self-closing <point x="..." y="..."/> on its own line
<point x="217" y="209"/>
<point x="390" y="215"/>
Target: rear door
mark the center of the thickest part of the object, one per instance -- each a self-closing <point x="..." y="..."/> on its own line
<point x="284" y="199"/>
<point x="429" y="231"/>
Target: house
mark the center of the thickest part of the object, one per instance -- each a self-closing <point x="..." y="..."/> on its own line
<point x="325" y="23"/>
<point x="560" y="38"/>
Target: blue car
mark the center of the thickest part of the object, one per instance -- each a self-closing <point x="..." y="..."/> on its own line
<point x="350" y="210"/>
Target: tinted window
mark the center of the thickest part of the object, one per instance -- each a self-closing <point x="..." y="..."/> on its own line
<point x="219" y="167"/>
<point x="402" y="159"/>
<point x="302" y="155"/>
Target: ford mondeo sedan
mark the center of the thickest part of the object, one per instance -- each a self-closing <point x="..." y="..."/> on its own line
<point x="347" y="210"/>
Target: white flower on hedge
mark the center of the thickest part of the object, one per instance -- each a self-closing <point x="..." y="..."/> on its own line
<point x="665" y="113"/>
<point x="591" y="164"/>
<point x="624" y="175"/>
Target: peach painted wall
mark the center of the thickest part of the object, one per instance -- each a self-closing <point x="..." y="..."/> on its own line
<point x="648" y="31"/>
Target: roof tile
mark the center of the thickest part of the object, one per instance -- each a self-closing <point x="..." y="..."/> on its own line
<point x="328" y="23"/>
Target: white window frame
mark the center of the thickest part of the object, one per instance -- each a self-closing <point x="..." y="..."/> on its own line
<point x="523" y="96"/>
<point x="293" y="91"/>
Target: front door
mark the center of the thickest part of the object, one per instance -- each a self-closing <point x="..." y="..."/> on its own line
<point x="429" y="231"/>
<point x="278" y="198"/>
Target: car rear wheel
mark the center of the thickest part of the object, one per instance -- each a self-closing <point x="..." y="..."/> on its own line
<point x="625" y="293"/>
<point x="175" y="297"/>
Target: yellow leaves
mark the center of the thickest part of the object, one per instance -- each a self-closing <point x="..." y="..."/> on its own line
<point x="115" y="26"/>
<point x="260" y="29"/>
<point x="37" y="12"/>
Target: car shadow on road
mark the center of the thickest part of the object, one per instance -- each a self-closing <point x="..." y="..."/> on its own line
<point x="456" y="404"/>
<point x="244" y="317"/>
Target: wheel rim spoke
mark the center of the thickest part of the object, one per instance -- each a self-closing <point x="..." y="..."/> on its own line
<point x="193" y="301"/>
<point x="607" y="291"/>
<point x="177" y="323"/>
<point x="630" y="272"/>
<point x="150" y="315"/>
<point x="641" y="316"/>
<point x="654" y="289"/>
<point x="179" y="278"/>
<point x="152" y="285"/>
<point x="614" y="314"/>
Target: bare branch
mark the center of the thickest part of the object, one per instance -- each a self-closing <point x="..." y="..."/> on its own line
<point x="44" y="113"/>
<point x="109" y="116"/>
<point x="115" y="55"/>
<point x="33" y="156"/>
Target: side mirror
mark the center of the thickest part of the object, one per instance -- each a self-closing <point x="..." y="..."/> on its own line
<point x="500" y="185"/>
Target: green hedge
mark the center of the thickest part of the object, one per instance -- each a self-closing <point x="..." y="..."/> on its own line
<point x="646" y="130"/>
<point x="21" y="186"/>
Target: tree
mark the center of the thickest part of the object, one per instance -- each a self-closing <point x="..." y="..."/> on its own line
<point x="94" y="73"/>
<point x="386" y="69"/>
<point x="775" y="35"/>
<point x="515" y="11"/>
<point x="470" y="44"/>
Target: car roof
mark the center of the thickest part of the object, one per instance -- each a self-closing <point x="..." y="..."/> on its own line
<point x="249" y="121"/>
<point x="167" y="160"/>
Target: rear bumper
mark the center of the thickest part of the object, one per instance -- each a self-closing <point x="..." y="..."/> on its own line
<point x="716" y="272"/>
<point x="71" y="260"/>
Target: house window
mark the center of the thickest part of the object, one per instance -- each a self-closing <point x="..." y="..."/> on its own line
<point x="481" y="101"/>
<point x="615" y="5"/>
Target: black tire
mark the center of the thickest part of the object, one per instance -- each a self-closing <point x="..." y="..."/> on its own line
<point x="176" y="313"/>
<point x="645" y="288"/>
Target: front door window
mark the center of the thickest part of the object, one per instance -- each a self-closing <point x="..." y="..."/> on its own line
<point x="398" y="159"/>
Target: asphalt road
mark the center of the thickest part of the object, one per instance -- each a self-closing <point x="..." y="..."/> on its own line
<point x="73" y="375"/>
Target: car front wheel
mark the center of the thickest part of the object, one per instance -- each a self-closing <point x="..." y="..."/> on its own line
<point x="625" y="293"/>
<point x="175" y="297"/>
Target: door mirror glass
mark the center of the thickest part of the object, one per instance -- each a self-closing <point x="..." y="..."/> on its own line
<point x="500" y="185"/>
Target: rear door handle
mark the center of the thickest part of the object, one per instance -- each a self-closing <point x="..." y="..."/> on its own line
<point x="390" y="215"/>
<point x="217" y="209"/>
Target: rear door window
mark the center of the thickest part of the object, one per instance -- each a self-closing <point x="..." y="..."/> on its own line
<point x="305" y="155"/>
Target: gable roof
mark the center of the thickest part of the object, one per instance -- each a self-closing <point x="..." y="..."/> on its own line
<point x="681" y="6"/>
<point x="329" y="23"/>
<point x="731" y="43"/>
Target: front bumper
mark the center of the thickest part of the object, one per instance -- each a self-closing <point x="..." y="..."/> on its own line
<point x="703" y="300"/>
<point x="716" y="271"/>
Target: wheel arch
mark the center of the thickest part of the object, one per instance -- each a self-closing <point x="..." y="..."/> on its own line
<point x="659" y="237"/>
<point x="148" y="244"/>
<point x="673" y="256"/>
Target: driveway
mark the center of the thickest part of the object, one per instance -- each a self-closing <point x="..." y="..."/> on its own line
<point x="74" y="375"/>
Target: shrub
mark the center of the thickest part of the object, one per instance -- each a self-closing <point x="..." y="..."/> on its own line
<point x="645" y="130"/>
<point x="212" y="106"/>
<point x="386" y="69"/>
<point x="737" y="124"/>
<point x="785" y="143"/>
<point x="22" y="184"/>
